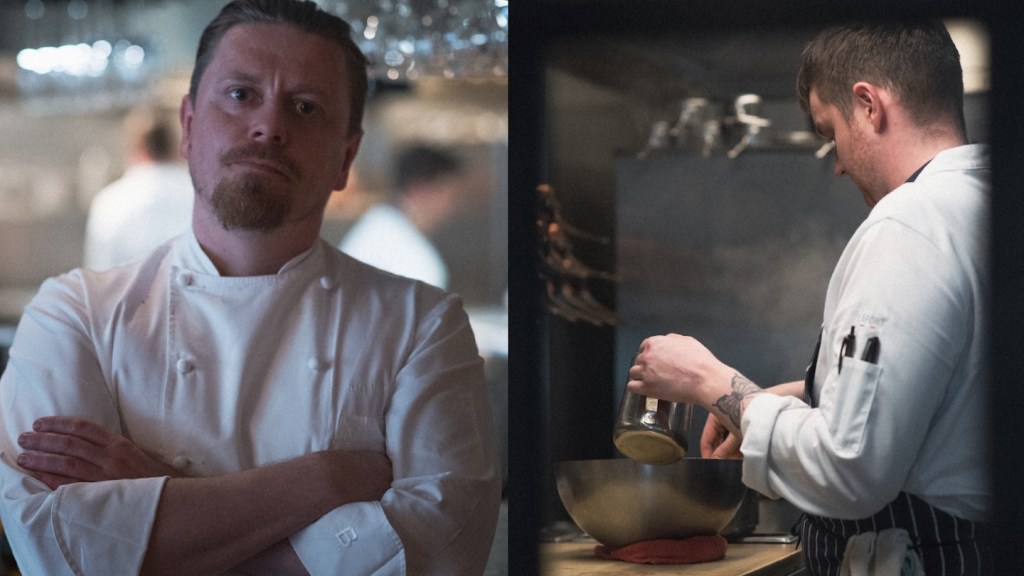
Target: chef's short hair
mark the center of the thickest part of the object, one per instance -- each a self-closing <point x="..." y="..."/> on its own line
<point x="305" y="15"/>
<point x="423" y="163"/>
<point x="917" y="61"/>
<point x="153" y="132"/>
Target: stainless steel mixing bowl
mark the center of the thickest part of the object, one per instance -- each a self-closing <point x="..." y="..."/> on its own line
<point x="621" y="501"/>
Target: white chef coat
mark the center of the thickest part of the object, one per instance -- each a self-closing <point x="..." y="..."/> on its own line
<point x="385" y="238"/>
<point x="915" y="275"/>
<point x="130" y="217"/>
<point x="218" y="374"/>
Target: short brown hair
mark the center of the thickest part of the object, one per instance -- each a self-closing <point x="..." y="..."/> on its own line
<point x="916" y="60"/>
<point x="153" y="132"/>
<point x="305" y="15"/>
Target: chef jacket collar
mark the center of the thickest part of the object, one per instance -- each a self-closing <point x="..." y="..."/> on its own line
<point x="918" y="172"/>
<point x="200" y="261"/>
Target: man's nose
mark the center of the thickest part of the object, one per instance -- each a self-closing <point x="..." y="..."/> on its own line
<point x="269" y="124"/>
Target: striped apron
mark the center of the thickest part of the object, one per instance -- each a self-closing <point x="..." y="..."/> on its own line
<point x="946" y="545"/>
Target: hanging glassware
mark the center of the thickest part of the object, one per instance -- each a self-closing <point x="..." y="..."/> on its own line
<point x="81" y="54"/>
<point x="409" y="39"/>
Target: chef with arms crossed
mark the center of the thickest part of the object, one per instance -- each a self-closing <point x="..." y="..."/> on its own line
<point x="882" y="447"/>
<point x="247" y="399"/>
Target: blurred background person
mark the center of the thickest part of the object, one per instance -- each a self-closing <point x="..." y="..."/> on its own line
<point x="393" y="235"/>
<point x="150" y="203"/>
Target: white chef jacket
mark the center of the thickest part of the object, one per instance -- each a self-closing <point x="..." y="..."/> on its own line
<point x="914" y="275"/>
<point x="385" y="238"/>
<point x="218" y="374"/>
<point x="130" y="217"/>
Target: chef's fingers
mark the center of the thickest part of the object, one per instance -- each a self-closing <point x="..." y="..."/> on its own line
<point x="47" y="467"/>
<point x="87" y="452"/>
<point x="712" y="436"/>
<point x="73" y="427"/>
<point x="57" y="444"/>
<point x="729" y="449"/>
<point x="636" y="385"/>
<point x="717" y="442"/>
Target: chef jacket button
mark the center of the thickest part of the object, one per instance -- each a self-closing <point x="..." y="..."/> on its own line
<point x="185" y="279"/>
<point x="180" y="462"/>
<point x="184" y="366"/>
<point x="316" y="365"/>
<point x="326" y="282"/>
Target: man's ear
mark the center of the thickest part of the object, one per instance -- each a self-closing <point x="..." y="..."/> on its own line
<point x="185" y="116"/>
<point x="868" y="101"/>
<point x="351" y="148"/>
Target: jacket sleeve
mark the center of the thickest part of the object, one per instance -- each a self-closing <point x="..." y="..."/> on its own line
<point x="853" y="454"/>
<point x="81" y="528"/>
<point x="439" y="516"/>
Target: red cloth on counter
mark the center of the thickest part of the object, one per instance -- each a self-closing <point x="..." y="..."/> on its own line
<point x="692" y="550"/>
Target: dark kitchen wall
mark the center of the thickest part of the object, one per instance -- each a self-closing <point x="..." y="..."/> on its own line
<point x="735" y="252"/>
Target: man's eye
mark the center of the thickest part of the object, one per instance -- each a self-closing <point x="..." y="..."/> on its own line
<point x="240" y="94"/>
<point x="305" y="108"/>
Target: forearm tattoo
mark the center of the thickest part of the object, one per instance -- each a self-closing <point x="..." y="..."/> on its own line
<point x="732" y="403"/>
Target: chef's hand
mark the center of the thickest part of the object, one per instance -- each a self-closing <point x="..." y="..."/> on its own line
<point x="60" y="450"/>
<point x="680" y="369"/>
<point x="676" y="368"/>
<point x="717" y="442"/>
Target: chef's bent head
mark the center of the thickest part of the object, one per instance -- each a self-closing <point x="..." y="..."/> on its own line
<point x="918" y="62"/>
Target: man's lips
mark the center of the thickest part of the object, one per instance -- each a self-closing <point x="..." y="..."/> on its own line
<point x="260" y="160"/>
<point x="262" y="165"/>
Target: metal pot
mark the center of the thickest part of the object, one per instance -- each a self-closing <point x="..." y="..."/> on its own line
<point x="652" y="431"/>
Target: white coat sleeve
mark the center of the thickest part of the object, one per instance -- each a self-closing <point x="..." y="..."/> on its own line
<point x="81" y="528"/>
<point x="852" y="454"/>
<point x="440" y="515"/>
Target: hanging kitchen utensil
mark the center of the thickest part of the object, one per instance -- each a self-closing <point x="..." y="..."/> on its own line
<point x="565" y="276"/>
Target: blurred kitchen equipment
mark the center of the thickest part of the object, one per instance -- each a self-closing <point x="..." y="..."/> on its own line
<point x="744" y="522"/>
<point x="703" y="128"/>
<point x="650" y="430"/>
<point x="621" y="501"/>
<point x="565" y="276"/>
<point x="747" y="106"/>
<point x="699" y="126"/>
<point x="660" y="139"/>
<point x="698" y="129"/>
<point x="758" y="133"/>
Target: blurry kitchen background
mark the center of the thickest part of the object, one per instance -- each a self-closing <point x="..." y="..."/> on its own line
<point x="682" y="190"/>
<point x="70" y="70"/>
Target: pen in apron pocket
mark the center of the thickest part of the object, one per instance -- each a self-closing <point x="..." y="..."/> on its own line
<point x="871" y="350"/>
<point x="846" y="348"/>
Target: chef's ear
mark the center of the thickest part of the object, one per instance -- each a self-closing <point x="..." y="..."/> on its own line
<point x="185" y="116"/>
<point x="868" y="100"/>
<point x="351" y="149"/>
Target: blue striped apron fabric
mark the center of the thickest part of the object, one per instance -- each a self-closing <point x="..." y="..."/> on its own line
<point x="947" y="545"/>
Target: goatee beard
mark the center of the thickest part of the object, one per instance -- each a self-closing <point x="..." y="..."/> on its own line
<point x="249" y="202"/>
